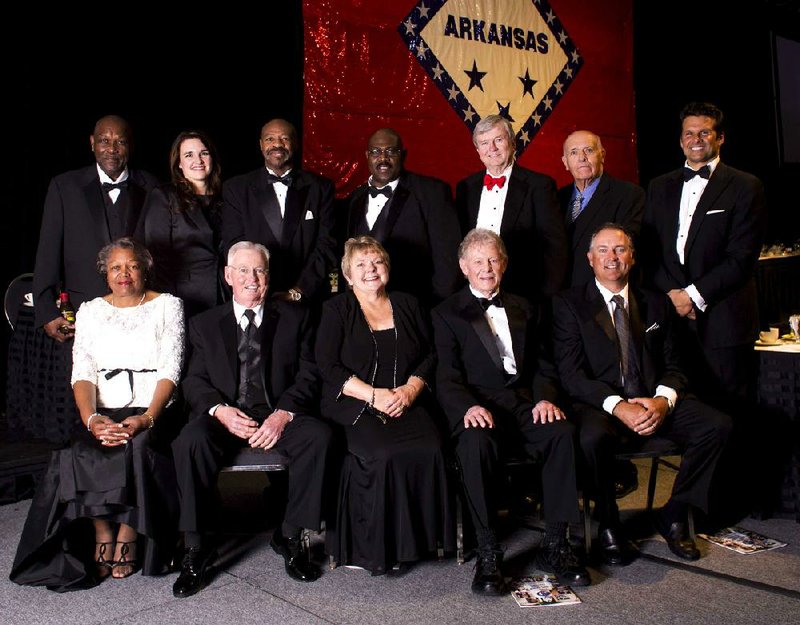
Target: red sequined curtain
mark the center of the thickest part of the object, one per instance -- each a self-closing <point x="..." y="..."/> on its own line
<point x="361" y="76"/>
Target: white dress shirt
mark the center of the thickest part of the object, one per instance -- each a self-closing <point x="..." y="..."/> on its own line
<point x="493" y="203"/>
<point x="104" y="177"/>
<point x="280" y="190"/>
<point x="498" y="323"/>
<point x="375" y="204"/>
<point x="690" y="196"/>
<point x="612" y="400"/>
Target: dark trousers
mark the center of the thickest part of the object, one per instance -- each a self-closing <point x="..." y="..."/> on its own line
<point x="205" y="445"/>
<point x="479" y="453"/>
<point x="699" y="430"/>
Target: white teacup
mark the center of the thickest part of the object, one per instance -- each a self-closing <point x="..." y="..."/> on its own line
<point x="769" y="336"/>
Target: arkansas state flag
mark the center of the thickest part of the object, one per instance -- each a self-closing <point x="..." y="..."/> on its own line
<point x="431" y="69"/>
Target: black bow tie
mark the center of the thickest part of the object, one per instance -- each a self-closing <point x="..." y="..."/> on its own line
<point x="495" y="301"/>
<point x="689" y="173"/>
<point x="107" y="186"/>
<point x="287" y="179"/>
<point x="375" y="191"/>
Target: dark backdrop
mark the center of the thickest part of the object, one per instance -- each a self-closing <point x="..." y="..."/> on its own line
<point x="229" y="72"/>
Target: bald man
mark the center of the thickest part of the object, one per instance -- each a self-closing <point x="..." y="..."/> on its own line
<point x="592" y="199"/>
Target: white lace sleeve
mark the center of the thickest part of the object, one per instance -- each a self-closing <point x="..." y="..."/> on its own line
<point x="84" y="366"/>
<point x="171" y="341"/>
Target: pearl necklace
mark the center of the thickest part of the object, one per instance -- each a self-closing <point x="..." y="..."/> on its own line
<point x="139" y="304"/>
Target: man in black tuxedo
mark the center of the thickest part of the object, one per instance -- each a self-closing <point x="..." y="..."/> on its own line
<point x="249" y="381"/>
<point x="702" y="231"/>
<point x="618" y="361"/>
<point x="412" y="216"/>
<point x="490" y="383"/>
<point x="289" y="211"/>
<point x="593" y="199"/>
<point x="84" y="210"/>
<point x="521" y="206"/>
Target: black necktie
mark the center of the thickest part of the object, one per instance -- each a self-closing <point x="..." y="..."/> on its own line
<point x="689" y="173"/>
<point x="108" y="186"/>
<point x="287" y="179"/>
<point x="632" y="384"/>
<point x="375" y="191"/>
<point x="248" y="356"/>
<point x="495" y="301"/>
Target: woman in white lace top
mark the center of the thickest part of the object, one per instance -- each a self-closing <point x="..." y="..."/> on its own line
<point x="118" y="470"/>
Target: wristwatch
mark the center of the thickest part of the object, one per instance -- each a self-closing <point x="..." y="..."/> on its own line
<point x="295" y="295"/>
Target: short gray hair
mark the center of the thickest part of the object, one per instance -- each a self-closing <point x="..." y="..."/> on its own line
<point x="612" y="225"/>
<point x="482" y="236"/>
<point x="489" y="122"/>
<point x="140" y="253"/>
<point x="248" y="245"/>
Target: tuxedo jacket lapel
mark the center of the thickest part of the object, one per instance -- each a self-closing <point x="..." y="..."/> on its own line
<point x="718" y="181"/>
<point x="269" y="325"/>
<point x="517" y="326"/>
<point x="517" y="189"/>
<point x="395" y="206"/>
<point x="599" y="311"/>
<point x="135" y="202"/>
<point x="267" y="203"/>
<point x="474" y="188"/>
<point x="473" y="312"/>
<point x="357" y="210"/>
<point x="591" y="213"/>
<point x="295" y="209"/>
<point x="96" y="205"/>
<point x="229" y="339"/>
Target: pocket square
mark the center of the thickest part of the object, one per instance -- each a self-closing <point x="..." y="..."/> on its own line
<point x="721" y="210"/>
<point x="655" y="326"/>
<point x="309" y="215"/>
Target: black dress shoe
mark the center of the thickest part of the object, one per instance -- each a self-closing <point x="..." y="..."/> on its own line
<point x="295" y="559"/>
<point x="614" y="548"/>
<point x="677" y="538"/>
<point x="194" y="568"/>
<point x="488" y="579"/>
<point x="559" y="559"/>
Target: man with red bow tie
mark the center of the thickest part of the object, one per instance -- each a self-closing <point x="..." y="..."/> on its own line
<point x="521" y="206"/>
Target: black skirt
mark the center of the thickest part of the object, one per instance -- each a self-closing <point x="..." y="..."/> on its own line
<point x="132" y="484"/>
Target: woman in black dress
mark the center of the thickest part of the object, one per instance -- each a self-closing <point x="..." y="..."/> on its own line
<point x="181" y="225"/>
<point x="114" y="486"/>
<point x="374" y="352"/>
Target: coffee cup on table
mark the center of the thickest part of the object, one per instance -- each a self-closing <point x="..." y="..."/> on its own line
<point x="769" y="336"/>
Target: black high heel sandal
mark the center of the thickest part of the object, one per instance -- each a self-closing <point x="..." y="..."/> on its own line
<point x="124" y="560"/>
<point x="103" y="567"/>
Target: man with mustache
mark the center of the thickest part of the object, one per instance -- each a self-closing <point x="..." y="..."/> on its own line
<point x="288" y="210"/>
<point x="412" y="216"/>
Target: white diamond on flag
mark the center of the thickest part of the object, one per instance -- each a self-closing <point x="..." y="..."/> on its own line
<point x="513" y="58"/>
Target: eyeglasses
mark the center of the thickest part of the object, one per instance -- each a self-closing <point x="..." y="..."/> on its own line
<point x="390" y="152"/>
<point x="243" y="271"/>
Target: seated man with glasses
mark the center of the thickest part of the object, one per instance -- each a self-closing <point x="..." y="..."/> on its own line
<point x="249" y="382"/>
<point x="412" y="216"/>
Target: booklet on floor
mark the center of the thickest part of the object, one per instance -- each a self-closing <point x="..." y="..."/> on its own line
<point x="742" y="540"/>
<point x="541" y="590"/>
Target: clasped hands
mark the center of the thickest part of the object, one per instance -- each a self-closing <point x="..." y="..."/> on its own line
<point x="112" y="434"/>
<point x="683" y="304"/>
<point x="393" y="402"/>
<point x="262" y="436"/>
<point x="643" y="415"/>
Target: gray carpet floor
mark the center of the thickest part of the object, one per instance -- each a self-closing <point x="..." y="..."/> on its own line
<point x="251" y="587"/>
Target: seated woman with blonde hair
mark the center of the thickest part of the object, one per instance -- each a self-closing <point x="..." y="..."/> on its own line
<point x="375" y="354"/>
